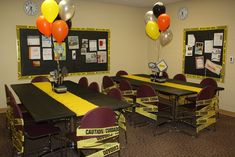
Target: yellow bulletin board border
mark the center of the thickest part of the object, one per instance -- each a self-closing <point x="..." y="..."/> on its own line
<point x="92" y="34"/>
<point x="202" y="34"/>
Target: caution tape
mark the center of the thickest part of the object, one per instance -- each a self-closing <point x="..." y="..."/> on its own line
<point x="105" y="90"/>
<point x="121" y="119"/>
<point x="128" y="92"/>
<point x="97" y="142"/>
<point x="206" y="114"/>
<point x="147" y="110"/>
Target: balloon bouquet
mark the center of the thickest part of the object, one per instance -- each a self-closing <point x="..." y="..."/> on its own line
<point x="55" y="19"/>
<point x="158" y="23"/>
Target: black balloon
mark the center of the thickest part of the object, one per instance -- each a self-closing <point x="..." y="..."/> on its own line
<point x="69" y="22"/>
<point x="158" y="9"/>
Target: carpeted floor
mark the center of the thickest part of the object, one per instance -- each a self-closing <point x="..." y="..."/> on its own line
<point x="142" y="143"/>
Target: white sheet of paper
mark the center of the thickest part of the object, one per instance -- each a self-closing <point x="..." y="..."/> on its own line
<point x="199" y="62"/>
<point x="215" y="68"/>
<point x="191" y="40"/>
<point x="93" y="45"/>
<point x="218" y="39"/>
<point x="47" y="54"/>
<point x="208" y="46"/>
<point x="46" y="41"/>
<point x="91" y="57"/>
<point x="34" y="53"/>
<point x="33" y="40"/>
<point x="189" y="50"/>
<point x="216" y="54"/>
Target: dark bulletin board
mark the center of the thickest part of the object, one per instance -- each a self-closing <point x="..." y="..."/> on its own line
<point x="204" y="36"/>
<point x="75" y="57"/>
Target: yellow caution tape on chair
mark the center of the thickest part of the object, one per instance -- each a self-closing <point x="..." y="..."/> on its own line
<point x="98" y="142"/>
<point x="121" y="119"/>
<point x="205" y="115"/>
<point x="147" y="110"/>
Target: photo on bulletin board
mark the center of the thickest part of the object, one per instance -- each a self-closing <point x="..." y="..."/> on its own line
<point x="79" y="52"/>
<point x="204" y="51"/>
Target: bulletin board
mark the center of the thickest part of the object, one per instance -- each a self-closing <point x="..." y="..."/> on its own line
<point x="204" y="52"/>
<point x="84" y="51"/>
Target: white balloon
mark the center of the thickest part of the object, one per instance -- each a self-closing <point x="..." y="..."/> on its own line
<point x="149" y="16"/>
<point x="166" y="37"/>
<point x="66" y="9"/>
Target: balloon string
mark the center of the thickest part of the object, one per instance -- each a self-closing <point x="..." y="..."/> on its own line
<point x="158" y="50"/>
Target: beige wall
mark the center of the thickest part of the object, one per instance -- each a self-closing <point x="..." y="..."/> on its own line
<point x="130" y="48"/>
<point x="205" y="13"/>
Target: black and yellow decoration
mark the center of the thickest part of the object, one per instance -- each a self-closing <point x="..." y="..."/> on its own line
<point x="147" y="107"/>
<point x="84" y="51"/>
<point x="204" y="52"/>
<point x="205" y="113"/>
<point x="99" y="139"/>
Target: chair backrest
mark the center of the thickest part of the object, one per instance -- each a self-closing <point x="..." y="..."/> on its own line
<point x="94" y="86"/>
<point x="7" y="93"/>
<point x="107" y="82"/>
<point x="40" y="79"/>
<point x="180" y="77"/>
<point x="115" y="93"/>
<point x="83" y="82"/>
<point x="206" y="93"/>
<point x="98" y="118"/>
<point x="17" y="114"/>
<point x="165" y="75"/>
<point x="209" y="82"/>
<point x="145" y="91"/>
<point x="124" y="85"/>
<point x="121" y="72"/>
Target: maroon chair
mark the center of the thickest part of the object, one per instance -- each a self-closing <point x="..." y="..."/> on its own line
<point x="209" y="82"/>
<point x="21" y="132"/>
<point x="149" y="110"/>
<point x="180" y="77"/>
<point x="99" y="118"/>
<point x="121" y="72"/>
<point x="107" y="84"/>
<point x="115" y="93"/>
<point x="83" y="82"/>
<point x="94" y="86"/>
<point x="40" y="79"/>
<point x="165" y="75"/>
<point x="195" y="112"/>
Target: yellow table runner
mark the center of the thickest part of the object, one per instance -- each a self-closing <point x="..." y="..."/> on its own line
<point x="71" y="101"/>
<point x="169" y="84"/>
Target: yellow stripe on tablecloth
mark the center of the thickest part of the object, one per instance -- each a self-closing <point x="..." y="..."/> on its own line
<point x="169" y="84"/>
<point x="71" y="101"/>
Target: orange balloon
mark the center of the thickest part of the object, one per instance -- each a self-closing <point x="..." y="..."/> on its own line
<point x="44" y="26"/>
<point x="60" y="30"/>
<point x="163" y="22"/>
